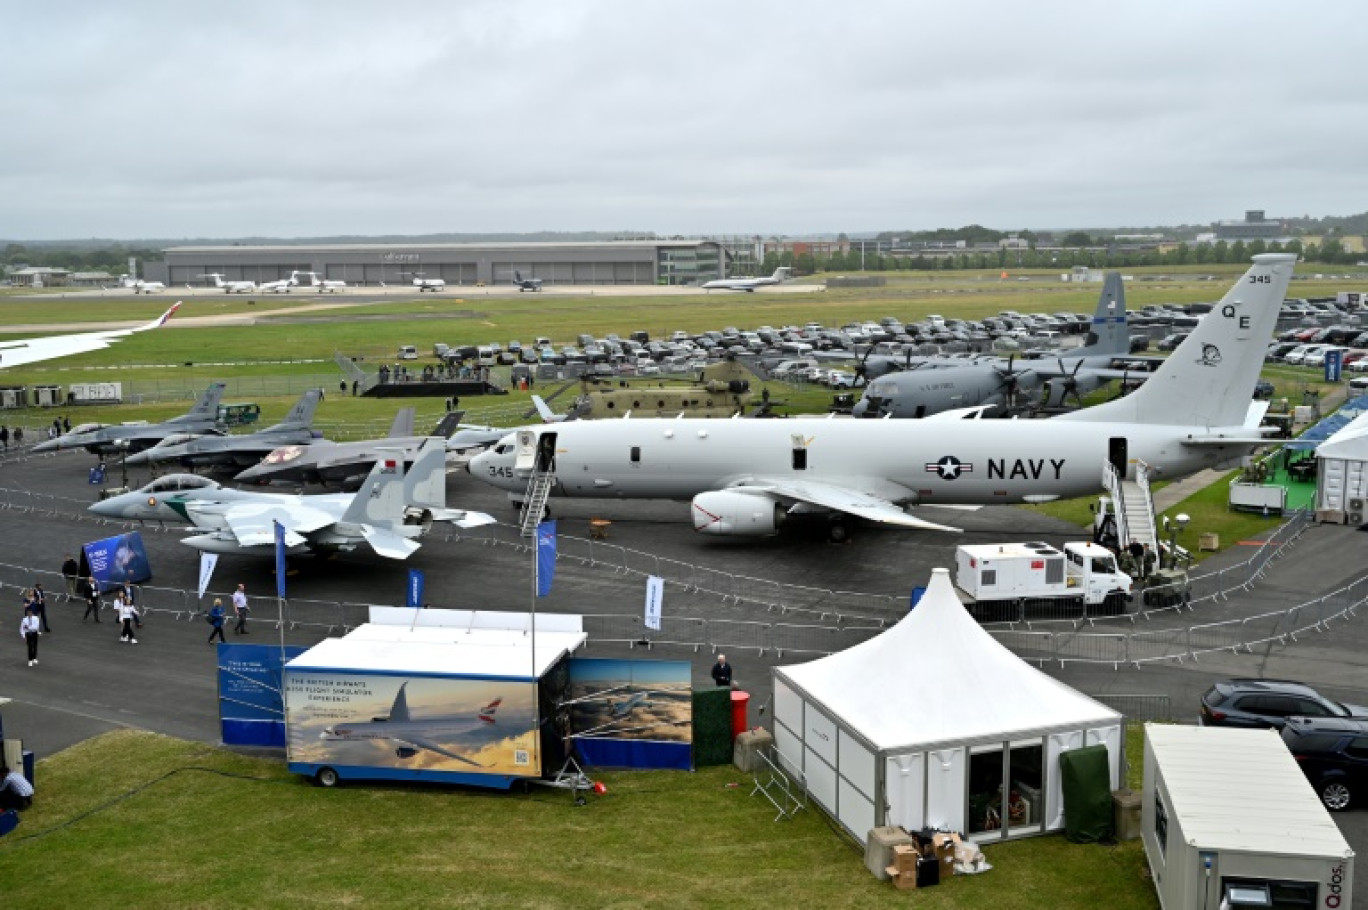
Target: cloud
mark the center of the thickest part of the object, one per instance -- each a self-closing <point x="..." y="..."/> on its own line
<point x="293" y="118"/>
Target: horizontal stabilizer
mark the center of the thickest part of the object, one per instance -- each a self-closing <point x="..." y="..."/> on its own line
<point x="387" y="543"/>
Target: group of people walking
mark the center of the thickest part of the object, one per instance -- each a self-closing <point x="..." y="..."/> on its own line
<point x="124" y="603"/>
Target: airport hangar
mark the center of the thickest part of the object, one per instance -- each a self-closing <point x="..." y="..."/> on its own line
<point x="625" y="262"/>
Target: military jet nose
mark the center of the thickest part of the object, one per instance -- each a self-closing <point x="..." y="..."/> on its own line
<point x="108" y="508"/>
<point x="138" y="458"/>
<point x="50" y="445"/>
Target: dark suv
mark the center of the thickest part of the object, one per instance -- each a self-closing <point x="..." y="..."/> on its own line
<point x="1333" y="754"/>
<point x="1267" y="703"/>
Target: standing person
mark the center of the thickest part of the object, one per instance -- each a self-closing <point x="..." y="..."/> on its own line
<point x="18" y="436"/>
<point x="40" y="605"/>
<point x="722" y="671"/>
<point x="4" y="437"/>
<point x="216" y="620"/>
<point x="240" y="609"/>
<point x="70" y="573"/>
<point x="90" y="590"/>
<point x="66" y="424"/>
<point x="28" y="630"/>
<point x="130" y="594"/>
<point x="126" y="614"/>
<point x="1147" y="561"/>
<point x="1136" y="551"/>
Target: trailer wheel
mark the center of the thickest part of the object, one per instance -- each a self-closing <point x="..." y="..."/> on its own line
<point x="326" y="777"/>
<point x="838" y="531"/>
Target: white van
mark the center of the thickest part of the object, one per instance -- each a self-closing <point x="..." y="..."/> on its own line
<point x="408" y="352"/>
<point x="485" y="355"/>
<point x="795" y="349"/>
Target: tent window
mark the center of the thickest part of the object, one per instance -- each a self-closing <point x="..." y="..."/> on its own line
<point x="985" y="792"/>
<point x="636" y="454"/>
<point x="988" y="577"/>
<point x="1160" y="824"/>
<point x="800" y="459"/>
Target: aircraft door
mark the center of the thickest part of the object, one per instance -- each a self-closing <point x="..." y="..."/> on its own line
<point x="799" y="452"/>
<point x="1116" y="454"/>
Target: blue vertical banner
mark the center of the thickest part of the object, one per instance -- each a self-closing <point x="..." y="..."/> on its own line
<point x="97" y="473"/>
<point x="415" y="588"/>
<point x="655" y="593"/>
<point x="280" y="559"/>
<point x="546" y="556"/>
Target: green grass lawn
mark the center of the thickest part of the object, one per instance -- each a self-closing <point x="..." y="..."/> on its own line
<point x="139" y="820"/>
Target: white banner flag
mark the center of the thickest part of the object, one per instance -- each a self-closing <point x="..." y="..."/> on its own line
<point x="655" y="592"/>
<point x="207" y="563"/>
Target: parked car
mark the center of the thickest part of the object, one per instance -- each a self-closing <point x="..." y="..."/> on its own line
<point x="1267" y="703"/>
<point x="1169" y="342"/>
<point x="1333" y="754"/>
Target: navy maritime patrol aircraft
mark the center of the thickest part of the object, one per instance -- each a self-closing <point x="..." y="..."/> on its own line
<point x="745" y="477"/>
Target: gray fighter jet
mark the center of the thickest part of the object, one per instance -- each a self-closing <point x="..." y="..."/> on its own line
<point x="342" y="464"/>
<point x="241" y="451"/>
<point x="101" y="439"/>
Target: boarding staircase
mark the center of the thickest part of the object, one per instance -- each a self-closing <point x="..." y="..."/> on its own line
<point x="1133" y="506"/>
<point x="534" y="506"/>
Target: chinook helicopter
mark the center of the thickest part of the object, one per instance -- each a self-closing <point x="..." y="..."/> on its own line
<point x="720" y="389"/>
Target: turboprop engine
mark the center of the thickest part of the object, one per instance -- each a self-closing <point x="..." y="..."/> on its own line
<point x="730" y="512"/>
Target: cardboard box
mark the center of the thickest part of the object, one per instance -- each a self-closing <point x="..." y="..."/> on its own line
<point x="943" y="847"/>
<point x="903" y="881"/>
<point x="905" y="858"/>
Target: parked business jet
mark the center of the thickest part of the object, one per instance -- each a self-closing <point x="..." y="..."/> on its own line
<point x="231" y="287"/>
<point x="746" y="476"/>
<point x="322" y="285"/>
<point x="423" y="283"/>
<point x="780" y="275"/>
<point x="282" y="286"/>
<point x="526" y="284"/>
<point x="32" y="350"/>
<point x="434" y="734"/>
<point x="139" y="286"/>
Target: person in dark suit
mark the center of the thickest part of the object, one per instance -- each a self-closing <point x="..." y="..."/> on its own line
<point x="722" y="671"/>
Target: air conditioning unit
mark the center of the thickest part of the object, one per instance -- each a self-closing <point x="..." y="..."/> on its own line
<point x="1354" y="518"/>
<point x="1355" y="505"/>
<point x="14" y="397"/>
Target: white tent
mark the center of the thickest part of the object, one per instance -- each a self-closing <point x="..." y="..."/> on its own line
<point x="931" y="724"/>
<point x="1343" y="469"/>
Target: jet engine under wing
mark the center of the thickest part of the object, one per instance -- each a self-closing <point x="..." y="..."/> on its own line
<point x="419" y="742"/>
<point x="839" y="499"/>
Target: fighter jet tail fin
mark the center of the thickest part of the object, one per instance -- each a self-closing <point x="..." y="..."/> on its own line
<point x="206" y="408"/>
<point x="403" y="423"/>
<point x="1209" y="380"/>
<point x="302" y="414"/>
<point x="425" y="484"/>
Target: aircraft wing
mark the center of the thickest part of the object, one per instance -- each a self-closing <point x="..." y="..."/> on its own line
<point x="253" y="523"/>
<point x="462" y="518"/>
<point x="841" y="499"/>
<point x="386" y="543"/>
<point x="32" y="350"/>
<point x="419" y="742"/>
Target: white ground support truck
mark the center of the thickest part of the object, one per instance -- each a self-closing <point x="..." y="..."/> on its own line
<point x="1010" y="581"/>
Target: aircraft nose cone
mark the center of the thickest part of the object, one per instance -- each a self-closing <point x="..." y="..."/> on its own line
<point x="49" y="445"/>
<point x="105" y="508"/>
<point x="138" y="458"/>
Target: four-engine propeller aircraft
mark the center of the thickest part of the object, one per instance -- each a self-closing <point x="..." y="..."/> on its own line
<point x="243" y="450"/>
<point x="231" y="287"/>
<point x="922" y="386"/>
<point x="389" y="513"/>
<point x="33" y="350"/>
<point x="413" y="734"/>
<point x="526" y="284"/>
<point x="99" y="439"/>
<point x="780" y="275"/>
<point x="746" y="476"/>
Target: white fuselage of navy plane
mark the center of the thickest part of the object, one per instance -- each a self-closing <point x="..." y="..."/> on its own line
<point x="745" y="476"/>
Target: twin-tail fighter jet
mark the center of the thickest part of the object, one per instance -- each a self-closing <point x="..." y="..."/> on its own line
<point x="745" y="477"/>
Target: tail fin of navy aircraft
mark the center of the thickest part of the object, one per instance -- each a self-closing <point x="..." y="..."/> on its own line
<point x="1109" y="334"/>
<point x="207" y="406"/>
<point x="1209" y="379"/>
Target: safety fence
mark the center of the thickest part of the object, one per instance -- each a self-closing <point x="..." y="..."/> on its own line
<point x="808" y="621"/>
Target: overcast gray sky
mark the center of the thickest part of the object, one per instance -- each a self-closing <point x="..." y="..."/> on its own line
<point x="285" y="119"/>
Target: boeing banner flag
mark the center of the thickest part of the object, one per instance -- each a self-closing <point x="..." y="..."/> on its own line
<point x="415" y="588"/>
<point x="280" y="559"/>
<point x="546" y="556"/>
<point x="655" y="592"/>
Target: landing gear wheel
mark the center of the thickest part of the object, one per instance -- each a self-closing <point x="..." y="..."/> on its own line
<point x="326" y="777"/>
<point x="838" y="531"/>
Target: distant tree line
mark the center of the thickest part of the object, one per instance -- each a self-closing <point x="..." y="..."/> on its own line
<point x="112" y="259"/>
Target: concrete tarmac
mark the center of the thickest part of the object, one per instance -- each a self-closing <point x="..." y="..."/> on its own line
<point x="87" y="682"/>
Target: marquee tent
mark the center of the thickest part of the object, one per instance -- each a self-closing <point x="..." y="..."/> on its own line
<point x="1342" y="463"/>
<point x="933" y="723"/>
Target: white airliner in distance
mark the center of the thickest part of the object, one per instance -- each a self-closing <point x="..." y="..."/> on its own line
<point x="780" y="275"/>
<point x="423" y="283"/>
<point x="32" y="350"/>
<point x="138" y="286"/>
<point x="411" y="734"/>
<point x="281" y="286"/>
<point x="231" y="287"/>
<point x="322" y="285"/>
<point x="745" y="477"/>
